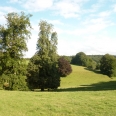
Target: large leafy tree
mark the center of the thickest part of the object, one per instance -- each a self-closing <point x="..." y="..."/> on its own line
<point x="108" y="65"/>
<point x="79" y="59"/>
<point x="83" y="60"/>
<point x="13" y="38"/>
<point x="47" y="64"/>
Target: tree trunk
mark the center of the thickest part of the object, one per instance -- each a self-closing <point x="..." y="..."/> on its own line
<point x="42" y="89"/>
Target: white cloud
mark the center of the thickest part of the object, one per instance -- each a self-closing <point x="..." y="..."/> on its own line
<point x="56" y="22"/>
<point x="114" y="7"/>
<point x="13" y="1"/>
<point x="104" y="14"/>
<point x="98" y="18"/>
<point x="88" y="27"/>
<point x="68" y="47"/>
<point x="67" y="8"/>
<point x="98" y="45"/>
<point x="93" y="24"/>
<point x="7" y="9"/>
<point x="37" y="5"/>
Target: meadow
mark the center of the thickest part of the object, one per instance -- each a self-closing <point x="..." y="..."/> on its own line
<point x="82" y="93"/>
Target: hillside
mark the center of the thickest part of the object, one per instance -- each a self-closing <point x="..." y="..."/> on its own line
<point x="85" y="79"/>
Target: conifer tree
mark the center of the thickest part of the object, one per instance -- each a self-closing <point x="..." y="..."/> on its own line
<point x="48" y="75"/>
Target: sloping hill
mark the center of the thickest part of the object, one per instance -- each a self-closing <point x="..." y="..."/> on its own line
<point x="82" y="77"/>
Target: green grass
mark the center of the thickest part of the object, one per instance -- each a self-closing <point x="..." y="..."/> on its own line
<point x="83" y="78"/>
<point x="82" y="93"/>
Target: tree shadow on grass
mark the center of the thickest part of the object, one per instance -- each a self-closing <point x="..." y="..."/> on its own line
<point x="92" y="70"/>
<point x="102" y="86"/>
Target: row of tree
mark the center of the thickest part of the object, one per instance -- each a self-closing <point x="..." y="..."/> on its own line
<point x="83" y="60"/>
<point x="106" y="63"/>
<point x="44" y="69"/>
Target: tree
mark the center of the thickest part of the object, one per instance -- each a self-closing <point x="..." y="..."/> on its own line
<point x="64" y="67"/>
<point x="47" y="64"/>
<point x="13" y="38"/>
<point x="108" y="65"/>
<point x="82" y="59"/>
<point x="33" y="72"/>
<point x="113" y="69"/>
<point x="79" y="59"/>
<point x="67" y="58"/>
<point x="90" y="63"/>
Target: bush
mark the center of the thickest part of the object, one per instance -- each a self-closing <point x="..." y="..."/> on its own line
<point x="64" y="67"/>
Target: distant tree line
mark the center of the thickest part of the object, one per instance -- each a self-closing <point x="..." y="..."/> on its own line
<point x="105" y="63"/>
<point x="43" y="70"/>
<point x="82" y="59"/>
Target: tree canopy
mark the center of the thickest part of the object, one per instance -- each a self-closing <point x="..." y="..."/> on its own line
<point x="13" y="38"/>
<point x="108" y="65"/>
<point x="64" y="67"/>
<point x="82" y="59"/>
<point x="48" y="75"/>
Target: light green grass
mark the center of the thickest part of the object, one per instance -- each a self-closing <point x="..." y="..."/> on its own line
<point x="81" y="76"/>
<point x="82" y="93"/>
<point x="100" y="103"/>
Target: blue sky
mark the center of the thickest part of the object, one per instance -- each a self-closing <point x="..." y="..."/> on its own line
<point x="82" y="25"/>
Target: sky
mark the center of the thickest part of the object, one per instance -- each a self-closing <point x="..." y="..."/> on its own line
<point x="87" y="26"/>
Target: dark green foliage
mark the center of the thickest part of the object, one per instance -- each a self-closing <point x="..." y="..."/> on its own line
<point x="43" y="72"/>
<point x="91" y="64"/>
<point x="98" y="66"/>
<point x="113" y="70"/>
<point x="33" y="72"/>
<point x="79" y="59"/>
<point x="0" y="63"/>
<point x="64" y="67"/>
<point x="83" y="60"/>
<point x="49" y="76"/>
<point x="96" y="58"/>
<point x="68" y="58"/>
<point x="108" y="65"/>
<point x="13" y="38"/>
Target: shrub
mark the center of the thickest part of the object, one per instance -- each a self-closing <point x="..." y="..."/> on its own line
<point x="64" y="67"/>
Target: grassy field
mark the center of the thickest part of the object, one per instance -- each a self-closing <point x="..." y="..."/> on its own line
<point x="82" y="93"/>
<point x="83" y="79"/>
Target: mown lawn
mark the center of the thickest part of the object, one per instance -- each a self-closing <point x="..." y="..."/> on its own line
<point x="82" y="78"/>
<point x="82" y="93"/>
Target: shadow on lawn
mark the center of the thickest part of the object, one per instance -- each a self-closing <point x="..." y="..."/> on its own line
<point x="102" y="86"/>
<point x="95" y="71"/>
